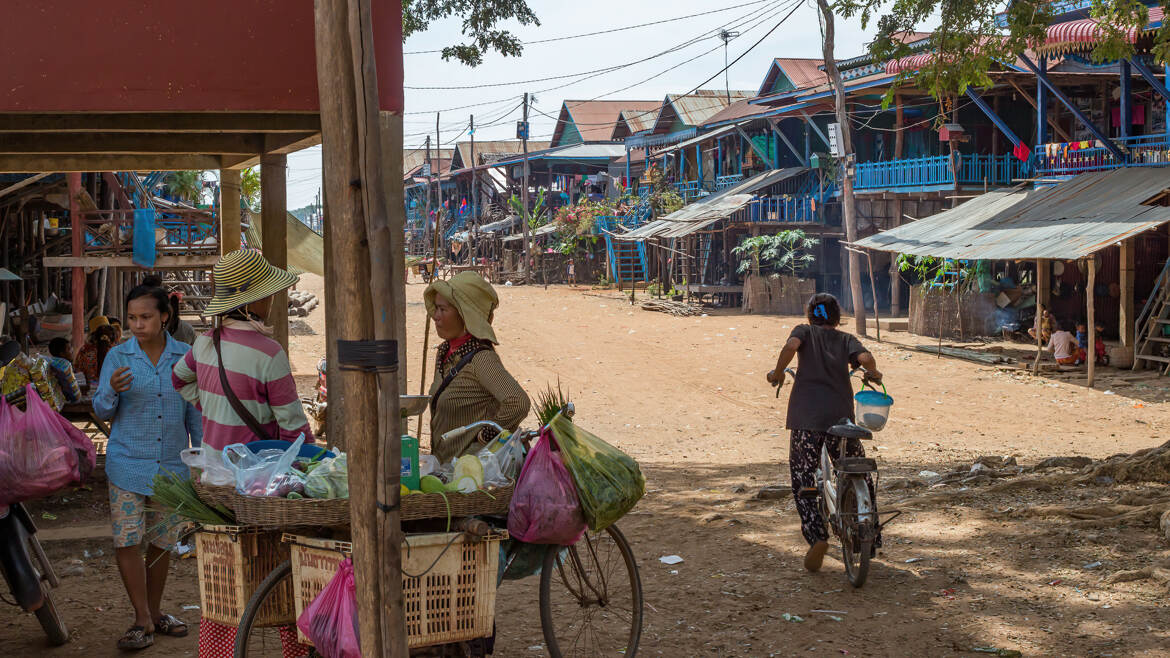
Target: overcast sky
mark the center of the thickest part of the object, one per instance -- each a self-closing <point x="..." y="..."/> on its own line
<point x="695" y="54"/>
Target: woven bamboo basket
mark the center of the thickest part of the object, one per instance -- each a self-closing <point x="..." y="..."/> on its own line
<point x="306" y="512"/>
<point x="448" y="582"/>
<point x="232" y="562"/>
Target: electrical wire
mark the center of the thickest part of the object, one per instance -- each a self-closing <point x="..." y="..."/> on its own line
<point x="609" y="31"/>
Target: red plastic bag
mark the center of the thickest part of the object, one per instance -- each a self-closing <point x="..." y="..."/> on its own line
<point x="545" y="508"/>
<point x="330" y="621"/>
<point x="38" y="455"/>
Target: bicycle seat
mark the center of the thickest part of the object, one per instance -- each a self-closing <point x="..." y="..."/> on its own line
<point x="847" y="429"/>
<point x="858" y="465"/>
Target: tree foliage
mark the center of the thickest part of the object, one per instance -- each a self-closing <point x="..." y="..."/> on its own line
<point x="968" y="41"/>
<point x="786" y="252"/>
<point x="480" y="19"/>
<point x="250" y="188"/>
<point x="186" y="185"/>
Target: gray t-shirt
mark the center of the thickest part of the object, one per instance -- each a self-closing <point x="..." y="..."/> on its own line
<point x="821" y="391"/>
<point x="185" y="333"/>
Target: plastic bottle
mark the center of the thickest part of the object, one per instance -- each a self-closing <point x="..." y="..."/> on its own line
<point x="410" y="468"/>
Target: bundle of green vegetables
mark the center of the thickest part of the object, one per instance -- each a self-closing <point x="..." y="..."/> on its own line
<point x="178" y="495"/>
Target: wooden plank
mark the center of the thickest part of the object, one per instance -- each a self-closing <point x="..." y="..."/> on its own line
<point x="24" y="183"/>
<point x="274" y="229"/>
<point x="83" y="163"/>
<point x="118" y="142"/>
<point x="229" y="205"/>
<point x="76" y="232"/>
<point x="140" y="122"/>
<point x="160" y="263"/>
<point x="278" y="143"/>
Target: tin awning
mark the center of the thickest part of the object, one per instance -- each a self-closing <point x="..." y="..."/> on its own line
<point x="1067" y="221"/>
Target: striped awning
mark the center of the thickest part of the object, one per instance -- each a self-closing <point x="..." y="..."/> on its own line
<point x="908" y="63"/>
<point x="1086" y="32"/>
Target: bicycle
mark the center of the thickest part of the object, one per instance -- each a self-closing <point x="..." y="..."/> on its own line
<point x="590" y="594"/>
<point x="842" y="489"/>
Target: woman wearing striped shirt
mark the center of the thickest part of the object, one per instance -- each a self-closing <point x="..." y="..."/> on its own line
<point x="255" y="372"/>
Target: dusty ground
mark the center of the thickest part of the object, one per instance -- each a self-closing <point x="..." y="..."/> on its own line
<point x="686" y="397"/>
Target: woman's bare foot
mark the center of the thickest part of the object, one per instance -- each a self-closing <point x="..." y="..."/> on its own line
<point x="816" y="556"/>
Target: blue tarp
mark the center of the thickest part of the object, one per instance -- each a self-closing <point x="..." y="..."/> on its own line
<point x="144" y="249"/>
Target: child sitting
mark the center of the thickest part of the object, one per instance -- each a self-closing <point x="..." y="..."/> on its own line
<point x="1064" y="347"/>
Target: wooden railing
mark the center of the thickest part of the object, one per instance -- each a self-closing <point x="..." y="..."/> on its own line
<point x="176" y="232"/>
<point x="1067" y="158"/>
<point x="938" y="170"/>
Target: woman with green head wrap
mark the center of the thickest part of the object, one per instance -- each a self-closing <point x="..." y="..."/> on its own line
<point x="470" y="383"/>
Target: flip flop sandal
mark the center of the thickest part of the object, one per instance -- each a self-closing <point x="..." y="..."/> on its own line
<point x="135" y="638"/>
<point x="169" y="626"/>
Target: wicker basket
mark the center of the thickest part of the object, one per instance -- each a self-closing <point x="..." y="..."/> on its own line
<point x="232" y="563"/>
<point x="313" y="512"/>
<point x="452" y="505"/>
<point x="454" y="601"/>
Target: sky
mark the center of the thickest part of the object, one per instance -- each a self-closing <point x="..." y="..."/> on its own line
<point x="672" y="57"/>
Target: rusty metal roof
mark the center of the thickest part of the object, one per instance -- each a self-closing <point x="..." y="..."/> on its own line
<point x="709" y="210"/>
<point x="696" y="108"/>
<point x="636" y="120"/>
<point x="1067" y="221"/>
<point x="595" y="120"/>
<point x="412" y="158"/>
<point x="491" y="147"/>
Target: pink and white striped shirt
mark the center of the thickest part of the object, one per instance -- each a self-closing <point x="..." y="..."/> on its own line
<point x="258" y="372"/>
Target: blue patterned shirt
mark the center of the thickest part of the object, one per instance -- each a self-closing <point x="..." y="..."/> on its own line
<point x="152" y="422"/>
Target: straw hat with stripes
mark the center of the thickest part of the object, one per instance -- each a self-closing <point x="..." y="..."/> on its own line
<point x="242" y="277"/>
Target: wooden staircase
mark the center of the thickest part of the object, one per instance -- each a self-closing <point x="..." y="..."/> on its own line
<point x="1152" y="328"/>
<point x="627" y="260"/>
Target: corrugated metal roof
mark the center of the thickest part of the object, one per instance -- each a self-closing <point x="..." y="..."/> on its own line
<point x="595" y="120"/>
<point x="1067" y="221"/>
<point x="500" y="225"/>
<point x="605" y="151"/>
<point x="491" y="147"/>
<point x="698" y="139"/>
<point x="542" y="230"/>
<point x="638" y="120"/>
<point x="736" y="111"/>
<point x="705" y="212"/>
<point x="413" y="158"/>
<point x="696" y="108"/>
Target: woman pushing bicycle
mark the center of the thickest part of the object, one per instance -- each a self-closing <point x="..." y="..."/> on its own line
<point x="821" y="397"/>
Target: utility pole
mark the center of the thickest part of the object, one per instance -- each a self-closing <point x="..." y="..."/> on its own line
<point x="524" y="191"/>
<point x="474" y="195"/>
<point x="847" y="203"/>
<point x="727" y="35"/>
<point x="438" y="190"/>
<point x="427" y="218"/>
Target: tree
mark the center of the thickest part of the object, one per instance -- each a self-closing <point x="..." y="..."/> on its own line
<point x="250" y="188"/>
<point x="186" y="186"/>
<point x="479" y="25"/>
<point x="786" y="252"/>
<point x="968" y="40"/>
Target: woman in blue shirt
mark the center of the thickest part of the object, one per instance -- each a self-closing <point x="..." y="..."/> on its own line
<point x="151" y="425"/>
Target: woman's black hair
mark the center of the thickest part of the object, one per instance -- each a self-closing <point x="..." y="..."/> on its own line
<point x="151" y="286"/>
<point x="823" y="310"/>
<point x="59" y="347"/>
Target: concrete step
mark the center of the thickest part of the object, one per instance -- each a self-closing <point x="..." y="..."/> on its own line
<point x="889" y="324"/>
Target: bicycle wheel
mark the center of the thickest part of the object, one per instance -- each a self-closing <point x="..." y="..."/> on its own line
<point x="50" y="619"/>
<point x="253" y="639"/>
<point x="857" y="535"/>
<point x="591" y="597"/>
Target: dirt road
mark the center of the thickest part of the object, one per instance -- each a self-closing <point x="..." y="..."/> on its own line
<point x="687" y="398"/>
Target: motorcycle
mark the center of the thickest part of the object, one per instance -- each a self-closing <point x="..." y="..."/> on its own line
<point x="29" y="581"/>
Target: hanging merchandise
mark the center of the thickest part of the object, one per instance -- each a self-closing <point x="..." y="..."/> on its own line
<point x="609" y="482"/>
<point x="330" y="621"/>
<point x="544" y="507"/>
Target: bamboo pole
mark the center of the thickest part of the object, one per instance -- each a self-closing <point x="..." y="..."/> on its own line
<point x="422" y="384"/>
<point x="1091" y="303"/>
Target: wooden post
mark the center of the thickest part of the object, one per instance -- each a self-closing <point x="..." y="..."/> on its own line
<point x="77" y="230"/>
<point x="895" y="275"/>
<point x="360" y="227"/>
<point x="1126" y="279"/>
<point x="524" y="199"/>
<point x="899" y="127"/>
<point x="391" y="131"/>
<point x="1091" y="312"/>
<point x="1043" y="283"/>
<point x="229" y="210"/>
<point x="274" y="234"/>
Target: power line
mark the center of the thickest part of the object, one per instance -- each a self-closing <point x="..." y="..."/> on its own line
<point x="610" y="31"/>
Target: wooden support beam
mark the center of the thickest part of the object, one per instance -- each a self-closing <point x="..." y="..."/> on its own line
<point x="127" y="143"/>
<point x="82" y="163"/>
<point x="160" y="262"/>
<point x="390" y="129"/>
<point x="140" y="122"/>
<point x="1031" y="101"/>
<point x="77" y="301"/>
<point x="1042" y="78"/>
<point x="277" y="143"/>
<point x="274" y="234"/>
<point x="229" y="211"/>
<point x="22" y="184"/>
<point x="1125" y="324"/>
<point x="1091" y="304"/>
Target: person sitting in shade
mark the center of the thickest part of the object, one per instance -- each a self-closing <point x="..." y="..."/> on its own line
<point x="1064" y="346"/>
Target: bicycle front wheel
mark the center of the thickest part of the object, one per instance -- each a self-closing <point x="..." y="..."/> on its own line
<point x="254" y="639"/>
<point x="857" y="519"/>
<point x="591" y="597"/>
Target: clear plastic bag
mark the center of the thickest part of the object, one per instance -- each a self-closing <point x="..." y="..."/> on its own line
<point x="545" y="508"/>
<point x="608" y="480"/>
<point x="272" y="475"/>
<point x="329" y="479"/>
<point x="210" y="464"/>
<point x="330" y="621"/>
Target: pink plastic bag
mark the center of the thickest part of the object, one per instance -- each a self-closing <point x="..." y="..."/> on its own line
<point x="330" y="621"/>
<point x="545" y="508"/>
<point x="38" y="455"/>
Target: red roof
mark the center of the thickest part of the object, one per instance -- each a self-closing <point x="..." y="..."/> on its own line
<point x="1063" y="37"/>
<point x="595" y="120"/>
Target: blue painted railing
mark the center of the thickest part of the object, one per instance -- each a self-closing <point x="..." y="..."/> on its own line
<point x="1063" y="159"/>
<point x="724" y="182"/>
<point x="937" y="170"/>
<point x="783" y="209"/>
<point x="688" y="189"/>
